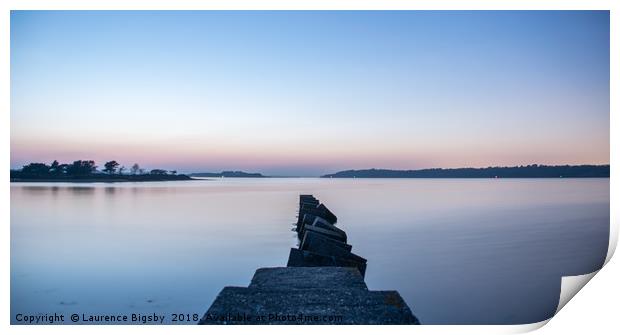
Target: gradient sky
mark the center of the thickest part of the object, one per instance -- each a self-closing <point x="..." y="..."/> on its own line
<point x="306" y="93"/>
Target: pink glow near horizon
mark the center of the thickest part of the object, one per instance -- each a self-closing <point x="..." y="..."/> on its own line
<point x="286" y="159"/>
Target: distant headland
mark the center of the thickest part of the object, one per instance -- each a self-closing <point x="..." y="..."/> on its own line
<point x="86" y="171"/>
<point x="529" y="171"/>
<point x="228" y="174"/>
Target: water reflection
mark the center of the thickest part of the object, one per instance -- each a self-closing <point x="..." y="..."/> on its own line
<point x="459" y="251"/>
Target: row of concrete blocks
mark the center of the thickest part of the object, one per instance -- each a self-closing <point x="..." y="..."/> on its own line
<point x="320" y="285"/>
<point x="321" y="243"/>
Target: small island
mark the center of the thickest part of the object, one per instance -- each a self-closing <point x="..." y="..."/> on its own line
<point x="228" y="174"/>
<point x="86" y="171"/>
<point x="528" y="171"/>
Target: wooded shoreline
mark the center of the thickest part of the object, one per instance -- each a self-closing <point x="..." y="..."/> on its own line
<point x="104" y="179"/>
<point x="528" y="171"/>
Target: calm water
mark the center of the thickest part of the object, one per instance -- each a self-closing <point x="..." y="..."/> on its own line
<point x="458" y="251"/>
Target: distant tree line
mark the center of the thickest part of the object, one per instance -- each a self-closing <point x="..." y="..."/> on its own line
<point x="528" y="171"/>
<point x="87" y="169"/>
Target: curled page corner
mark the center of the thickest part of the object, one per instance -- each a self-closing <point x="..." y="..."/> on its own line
<point x="613" y="240"/>
<point x="571" y="285"/>
<point x="526" y="328"/>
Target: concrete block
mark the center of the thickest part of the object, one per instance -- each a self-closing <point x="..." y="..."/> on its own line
<point x="318" y="212"/>
<point x="243" y="305"/>
<point x="328" y="215"/>
<point x="310" y="259"/>
<point x="310" y="237"/>
<point x="317" y="246"/>
<point x="327" y="232"/>
<point x="301" y="278"/>
<point x="321" y="223"/>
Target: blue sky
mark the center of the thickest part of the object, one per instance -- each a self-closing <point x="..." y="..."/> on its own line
<point x="306" y="93"/>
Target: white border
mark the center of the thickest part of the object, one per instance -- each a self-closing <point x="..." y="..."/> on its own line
<point x="594" y="312"/>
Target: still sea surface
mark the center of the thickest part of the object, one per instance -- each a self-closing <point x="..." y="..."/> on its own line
<point x="460" y="251"/>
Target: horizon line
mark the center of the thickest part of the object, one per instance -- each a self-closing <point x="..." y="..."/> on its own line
<point x="280" y="175"/>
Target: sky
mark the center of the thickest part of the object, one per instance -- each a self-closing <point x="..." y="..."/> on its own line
<point x="309" y="93"/>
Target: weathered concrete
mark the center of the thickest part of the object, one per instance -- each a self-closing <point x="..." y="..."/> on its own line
<point x="320" y="223"/>
<point x="301" y="278"/>
<point x="312" y="237"/>
<point x="321" y="211"/>
<point x="306" y="258"/>
<point x="303" y="197"/>
<point x="331" y="296"/>
<point x="309" y="205"/>
<point x="327" y="232"/>
<point x="308" y="200"/>
<point x="327" y="214"/>
<point x="306" y="219"/>
<point x="323" y="247"/>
